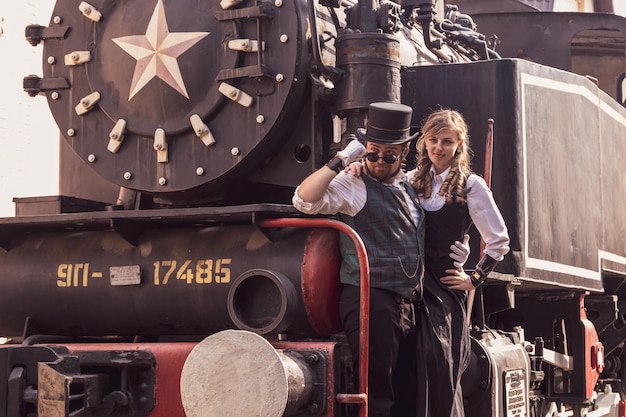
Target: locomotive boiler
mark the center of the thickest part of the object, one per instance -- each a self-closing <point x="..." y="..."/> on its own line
<point x="172" y="277"/>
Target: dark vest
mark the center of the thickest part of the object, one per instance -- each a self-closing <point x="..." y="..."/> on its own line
<point x="394" y="244"/>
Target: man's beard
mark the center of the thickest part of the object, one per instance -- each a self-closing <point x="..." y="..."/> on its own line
<point x="384" y="178"/>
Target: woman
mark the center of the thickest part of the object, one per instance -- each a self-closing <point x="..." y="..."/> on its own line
<point x="453" y="198"/>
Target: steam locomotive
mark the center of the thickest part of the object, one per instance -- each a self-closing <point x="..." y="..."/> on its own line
<point x="172" y="277"/>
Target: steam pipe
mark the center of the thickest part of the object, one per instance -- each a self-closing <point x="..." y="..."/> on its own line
<point x="331" y="73"/>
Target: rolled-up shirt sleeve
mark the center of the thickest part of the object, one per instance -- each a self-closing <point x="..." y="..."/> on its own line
<point x="487" y="218"/>
<point x="346" y="194"/>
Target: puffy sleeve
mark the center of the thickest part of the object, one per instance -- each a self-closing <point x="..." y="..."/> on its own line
<point x="346" y="194"/>
<point x="487" y="218"/>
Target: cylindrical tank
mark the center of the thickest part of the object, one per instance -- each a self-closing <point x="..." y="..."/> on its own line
<point x="371" y="65"/>
<point x="190" y="280"/>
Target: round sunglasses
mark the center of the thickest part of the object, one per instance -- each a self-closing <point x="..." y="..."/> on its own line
<point x="388" y="158"/>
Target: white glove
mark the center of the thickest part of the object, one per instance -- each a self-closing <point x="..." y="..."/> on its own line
<point x="460" y="252"/>
<point x="352" y="152"/>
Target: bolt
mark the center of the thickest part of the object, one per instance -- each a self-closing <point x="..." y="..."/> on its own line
<point x="114" y="136"/>
<point x="75" y="57"/>
<point x="87" y="11"/>
<point x="260" y="119"/>
<point x="162" y="181"/>
<point x="54" y="95"/>
<point x="199" y="171"/>
<point x="57" y="19"/>
<point x="91" y="158"/>
<point x="127" y="175"/>
<point x="314" y="358"/>
<point x="51" y="60"/>
<point x="84" y="102"/>
<point x="235" y="151"/>
<point x="71" y="132"/>
<point x="284" y="38"/>
<point x="232" y="92"/>
<point x="278" y="3"/>
<point x="280" y="78"/>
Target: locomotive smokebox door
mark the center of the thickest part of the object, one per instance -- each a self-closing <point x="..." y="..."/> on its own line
<point x="166" y="96"/>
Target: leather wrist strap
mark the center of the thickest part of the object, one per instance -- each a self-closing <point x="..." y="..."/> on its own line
<point x="335" y="164"/>
<point x="477" y="279"/>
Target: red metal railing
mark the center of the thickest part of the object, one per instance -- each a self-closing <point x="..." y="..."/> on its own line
<point x="364" y="314"/>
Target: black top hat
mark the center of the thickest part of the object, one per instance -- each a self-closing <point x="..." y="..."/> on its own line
<point x="388" y="124"/>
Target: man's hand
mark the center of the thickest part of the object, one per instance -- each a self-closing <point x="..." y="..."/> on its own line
<point x="352" y="152"/>
<point x="460" y="252"/>
<point x="355" y="168"/>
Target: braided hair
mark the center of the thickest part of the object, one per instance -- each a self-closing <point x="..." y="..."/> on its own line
<point x="454" y="184"/>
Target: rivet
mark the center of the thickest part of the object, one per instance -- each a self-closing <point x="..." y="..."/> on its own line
<point x="162" y="181"/>
<point x="284" y="38"/>
<point x="54" y="95"/>
<point x="199" y="171"/>
<point x="51" y="60"/>
<point x="280" y="78"/>
<point x="278" y="3"/>
<point x="127" y="175"/>
<point x="71" y="132"/>
<point x="91" y="158"/>
<point x="260" y="119"/>
<point x="235" y="151"/>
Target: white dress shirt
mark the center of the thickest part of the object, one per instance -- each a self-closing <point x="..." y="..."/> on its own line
<point x="347" y="194"/>
<point x="482" y="209"/>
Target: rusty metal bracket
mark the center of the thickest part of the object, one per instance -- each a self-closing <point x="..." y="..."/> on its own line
<point x="36" y="33"/>
<point x="34" y="85"/>
<point x="264" y="10"/>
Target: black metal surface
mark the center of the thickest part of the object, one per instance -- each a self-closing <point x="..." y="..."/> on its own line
<point x="130" y="224"/>
<point x="167" y="101"/>
<point x="559" y="323"/>
<point x="545" y="38"/>
<point x="187" y="266"/>
<point x="50" y="381"/>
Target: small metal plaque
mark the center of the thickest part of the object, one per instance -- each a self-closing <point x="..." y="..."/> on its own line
<point x="515" y="393"/>
<point x="125" y="275"/>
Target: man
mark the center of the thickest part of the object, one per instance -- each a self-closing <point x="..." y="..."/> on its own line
<point x="384" y="210"/>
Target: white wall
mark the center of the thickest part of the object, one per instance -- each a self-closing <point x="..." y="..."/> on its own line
<point x="28" y="134"/>
<point x="620" y="7"/>
<point x="573" y="6"/>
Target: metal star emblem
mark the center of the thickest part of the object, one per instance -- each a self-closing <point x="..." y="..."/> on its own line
<point x="157" y="51"/>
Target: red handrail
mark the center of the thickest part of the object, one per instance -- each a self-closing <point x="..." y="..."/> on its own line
<point x="361" y="397"/>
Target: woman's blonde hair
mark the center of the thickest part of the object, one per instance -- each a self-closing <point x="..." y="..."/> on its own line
<point x="454" y="184"/>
